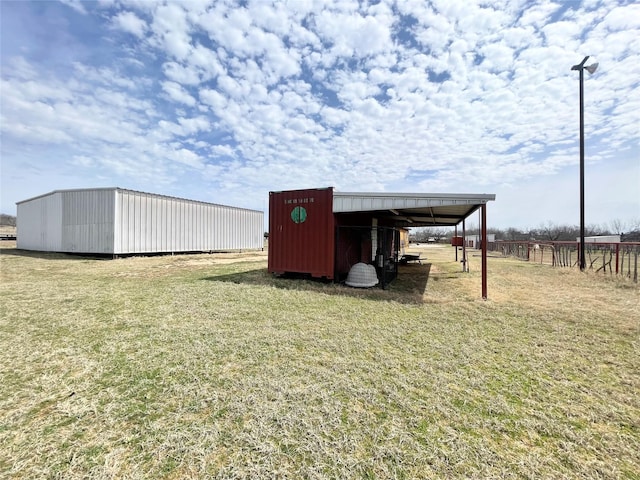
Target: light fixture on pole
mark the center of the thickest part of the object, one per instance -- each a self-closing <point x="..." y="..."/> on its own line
<point x="591" y="69"/>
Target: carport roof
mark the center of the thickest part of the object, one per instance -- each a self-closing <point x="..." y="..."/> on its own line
<point x="412" y="209"/>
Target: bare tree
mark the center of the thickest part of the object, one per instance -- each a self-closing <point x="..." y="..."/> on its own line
<point x="7" y="220"/>
<point x="618" y="226"/>
<point x="553" y="232"/>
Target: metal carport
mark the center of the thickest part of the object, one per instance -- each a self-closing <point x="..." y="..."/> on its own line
<point x="419" y="210"/>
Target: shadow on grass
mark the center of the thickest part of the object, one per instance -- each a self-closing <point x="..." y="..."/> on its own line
<point x="99" y="256"/>
<point x="16" y="252"/>
<point x="409" y="287"/>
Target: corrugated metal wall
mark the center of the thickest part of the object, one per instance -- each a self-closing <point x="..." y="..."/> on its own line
<point x="302" y="232"/>
<point x="87" y="220"/>
<point x="119" y="222"/>
<point x="39" y="223"/>
<point x="146" y="223"/>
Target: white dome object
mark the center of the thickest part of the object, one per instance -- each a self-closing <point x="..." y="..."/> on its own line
<point x="362" y="275"/>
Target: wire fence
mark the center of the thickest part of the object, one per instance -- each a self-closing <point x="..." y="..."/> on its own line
<point x="619" y="258"/>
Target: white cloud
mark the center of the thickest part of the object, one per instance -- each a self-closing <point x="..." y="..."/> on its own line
<point x="194" y="124"/>
<point x="272" y="18"/>
<point x="497" y="57"/>
<point x="76" y="5"/>
<point x="563" y="33"/>
<point x="178" y="94"/>
<point x="519" y="37"/>
<point x="214" y="99"/>
<point x="624" y="17"/>
<point x="19" y="67"/>
<point x="538" y="15"/>
<point x="83" y="161"/>
<point x="171" y="30"/>
<point x="223" y="151"/>
<point x="86" y="74"/>
<point x="206" y="61"/>
<point x="130" y="23"/>
<point x="181" y="74"/>
<point x="186" y="157"/>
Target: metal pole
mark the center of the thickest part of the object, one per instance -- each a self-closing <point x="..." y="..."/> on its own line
<point x="456" y="236"/>
<point x="464" y="247"/>
<point x="580" y="67"/>
<point x="479" y="226"/>
<point x="583" y="262"/>
<point x="483" y="216"/>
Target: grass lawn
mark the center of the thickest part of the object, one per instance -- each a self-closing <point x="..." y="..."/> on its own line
<point x="204" y="366"/>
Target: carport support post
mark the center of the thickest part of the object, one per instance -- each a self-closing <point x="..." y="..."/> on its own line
<point x="455" y="235"/>
<point x="483" y="215"/>
<point x="464" y="246"/>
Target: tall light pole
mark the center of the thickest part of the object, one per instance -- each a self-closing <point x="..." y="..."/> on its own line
<point x="581" y="68"/>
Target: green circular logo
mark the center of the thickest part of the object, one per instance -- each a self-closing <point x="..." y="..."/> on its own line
<point x="298" y="214"/>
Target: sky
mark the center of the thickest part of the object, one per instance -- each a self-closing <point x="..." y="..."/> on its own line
<point x="224" y="101"/>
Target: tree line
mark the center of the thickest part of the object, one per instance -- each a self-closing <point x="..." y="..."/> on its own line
<point x="7" y="220"/>
<point x="628" y="231"/>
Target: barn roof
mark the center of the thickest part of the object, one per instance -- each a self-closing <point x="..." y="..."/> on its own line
<point x="138" y="192"/>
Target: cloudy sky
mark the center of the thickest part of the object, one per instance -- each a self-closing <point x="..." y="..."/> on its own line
<point x="224" y="101"/>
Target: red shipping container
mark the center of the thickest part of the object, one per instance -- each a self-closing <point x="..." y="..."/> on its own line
<point x="302" y="232"/>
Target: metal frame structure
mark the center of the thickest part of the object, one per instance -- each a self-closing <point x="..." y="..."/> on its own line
<point x="421" y="210"/>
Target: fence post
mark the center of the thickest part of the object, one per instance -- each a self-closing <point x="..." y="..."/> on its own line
<point x="617" y="255"/>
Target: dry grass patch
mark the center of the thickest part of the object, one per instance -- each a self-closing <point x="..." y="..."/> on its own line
<point x="195" y="367"/>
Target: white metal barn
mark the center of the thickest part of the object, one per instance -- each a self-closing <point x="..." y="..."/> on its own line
<point x="601" y="239"/>
<point x="117" y="221"/>
<point x="473" y="241"/>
